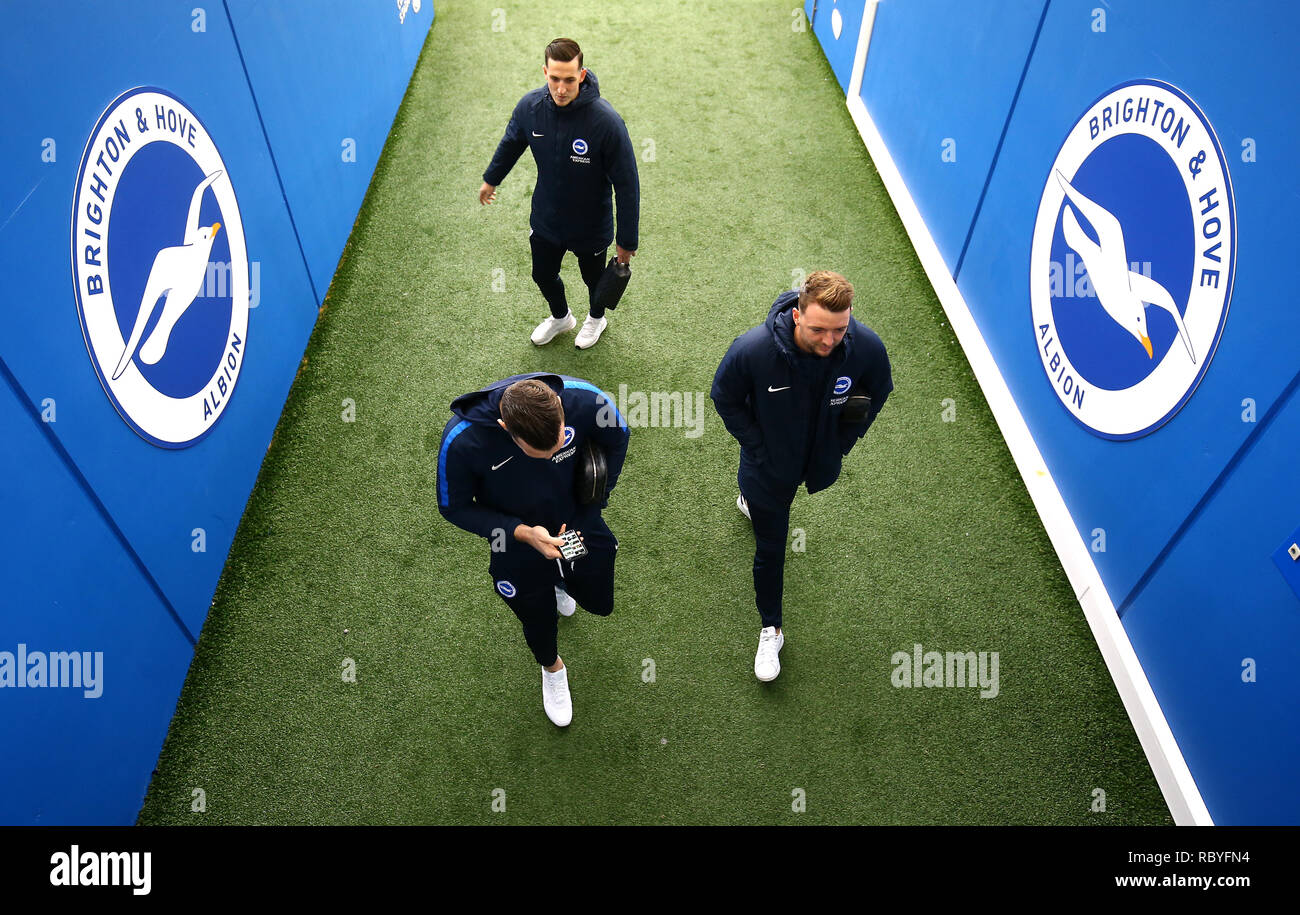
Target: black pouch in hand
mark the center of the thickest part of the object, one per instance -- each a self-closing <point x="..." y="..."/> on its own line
<point x="855" y="410"/>
<point x="613" y="280"/>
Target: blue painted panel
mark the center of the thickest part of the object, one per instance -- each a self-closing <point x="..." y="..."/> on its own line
<point x="158" y="496"/>
<point x="350" y="66"/>
<point x="1140" y="491"/>
<point x="1191" y="513"/>
<point x="69" y="586"/>
<point x="837" y="25"/>
<point x="102" y="509"/>
<point x="939" y="78"/>
<point x="1217" y="600"/>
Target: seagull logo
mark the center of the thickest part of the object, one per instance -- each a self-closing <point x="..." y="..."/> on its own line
<point x="177" y="273"/>
<point x="160" y="267"/>
<point x="1122" y="292"/>
<point x="1132" y="259"/>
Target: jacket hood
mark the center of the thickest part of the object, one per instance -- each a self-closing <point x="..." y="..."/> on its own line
<point x="483" y="407"/>
<point x="587" y="95"/>
<point x="780" y="324"/>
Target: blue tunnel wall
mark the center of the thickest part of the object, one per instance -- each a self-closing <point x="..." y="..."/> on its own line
<point x="114" y="539"/>
<point x="1188" y="521"/>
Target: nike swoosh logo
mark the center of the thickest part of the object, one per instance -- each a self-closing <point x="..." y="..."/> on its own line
<point x="772" y="390"/>
<point x="536" y="134"/>
<point x="503" y="463"/>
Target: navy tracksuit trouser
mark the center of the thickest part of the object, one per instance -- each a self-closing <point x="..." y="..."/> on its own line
<point x="546" y="274"/>
<point x="769" y="509"/>
<point x="526" y="581"/>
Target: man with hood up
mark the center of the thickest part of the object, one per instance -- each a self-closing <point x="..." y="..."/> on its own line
<point x="582" y="150"/>
<point x="797" y="392"/>
<point x="506" y="470"/>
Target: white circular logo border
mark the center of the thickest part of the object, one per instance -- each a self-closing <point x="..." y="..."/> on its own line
<point x="1146" y="406"/>
<point x="165" y="421"/>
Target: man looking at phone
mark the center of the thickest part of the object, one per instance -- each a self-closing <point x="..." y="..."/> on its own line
<point x="506" y="471"/>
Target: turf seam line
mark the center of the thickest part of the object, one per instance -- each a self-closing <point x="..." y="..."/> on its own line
<point x="1228" y="470"/>
<point x="275" y="166"/>
<point x="94" y="498"/>
<point x="997" y="152"/>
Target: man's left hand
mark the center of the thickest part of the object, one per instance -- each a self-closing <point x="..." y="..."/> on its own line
<point x="624" y="255"/>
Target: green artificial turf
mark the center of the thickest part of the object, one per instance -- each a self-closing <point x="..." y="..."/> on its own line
<point x="751" y="171"/>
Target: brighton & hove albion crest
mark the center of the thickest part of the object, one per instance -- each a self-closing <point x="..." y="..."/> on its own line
<point x="160" y="267"/>
<point x="1132" y="260"/>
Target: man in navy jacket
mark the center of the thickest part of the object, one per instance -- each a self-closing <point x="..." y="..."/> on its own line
<point x="582" y="150"/>
<point x="506" y="471"/>
<point x="781" y="391"/>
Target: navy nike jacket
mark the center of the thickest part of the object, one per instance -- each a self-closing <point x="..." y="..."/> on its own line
<point x="486" y="482"/>
<point x="784" y="406"/>
<point x="582" y="150"/>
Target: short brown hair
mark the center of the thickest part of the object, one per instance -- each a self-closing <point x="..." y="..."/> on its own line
<point x="563" y="50"/>
<point x="828" y="289"/>
<point x="532" y="413"/>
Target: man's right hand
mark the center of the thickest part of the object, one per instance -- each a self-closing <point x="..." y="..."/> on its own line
<point x="487" y="193"/>
<point x="540" y="539"/>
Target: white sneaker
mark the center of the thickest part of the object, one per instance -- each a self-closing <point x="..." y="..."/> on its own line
<point x="555" y="696"/>
<point x="590" y="333"/>
<point x="766" y="663"/>
<point x="564" y="603"/>
<point x="743" y="506"/>
<point x="549" y="329"/>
